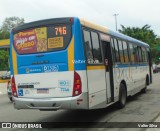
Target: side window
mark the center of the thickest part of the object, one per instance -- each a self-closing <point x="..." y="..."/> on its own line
<point x="144" y="54"/>
<point x="96" y="48"/>
<point x="121" y="51"/>
<point x="131" y="49"/>
<point x="140" y="54"/>
<point x="136" y="55"/>
<point x="147" y="51"/>
<point x="125" y="50"/>
<point x="116" y="51"/>
<point x="113" y="50"/>
<point x="88" y="46"/>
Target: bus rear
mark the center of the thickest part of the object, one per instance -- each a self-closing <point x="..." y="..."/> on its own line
<point x="43" y="56"/>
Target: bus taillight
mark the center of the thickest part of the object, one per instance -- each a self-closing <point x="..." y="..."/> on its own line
<point x="14" y="91"/>
<point x="77" y="87"/>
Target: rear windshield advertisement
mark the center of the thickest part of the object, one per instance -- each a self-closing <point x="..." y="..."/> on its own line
<point x="31" y="41"/>
<point x="42" y="39"/>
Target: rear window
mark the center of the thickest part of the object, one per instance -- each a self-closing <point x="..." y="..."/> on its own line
<point x="42" y="39"/>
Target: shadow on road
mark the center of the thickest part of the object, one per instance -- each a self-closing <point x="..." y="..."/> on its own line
<point x="81" y="115"/>
<point x="96" y="115"/>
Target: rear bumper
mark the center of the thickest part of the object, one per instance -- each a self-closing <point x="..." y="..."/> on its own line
<point x="78" y="102"/>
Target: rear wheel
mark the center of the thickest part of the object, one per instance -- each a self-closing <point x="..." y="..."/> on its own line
<point x="10" y="99"/>
<point x="145" y="88"/>
<point x="122" y="96"/>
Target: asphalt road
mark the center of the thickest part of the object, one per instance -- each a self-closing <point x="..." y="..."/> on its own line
<point x="140" y="108"/>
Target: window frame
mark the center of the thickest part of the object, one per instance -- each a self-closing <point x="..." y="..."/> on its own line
<point x="120" y="42"/>
<point x="127" y="49"/>
<point x="99" y="43"/>
<point x="116" y="61"/>
<point x="100" y="46"/>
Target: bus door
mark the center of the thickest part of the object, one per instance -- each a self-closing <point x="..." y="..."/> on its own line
<point x="108" y="62"/>
<point x="95" y="70"/>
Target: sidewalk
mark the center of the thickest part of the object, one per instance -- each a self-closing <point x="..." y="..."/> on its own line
<point x="3" y="88"/>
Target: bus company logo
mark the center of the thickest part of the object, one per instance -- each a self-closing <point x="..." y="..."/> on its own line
<point x="36" y="70"/>
<point x="27" y="70"/>
<point x="63" y="83"/>
<point x="6" y="125"/>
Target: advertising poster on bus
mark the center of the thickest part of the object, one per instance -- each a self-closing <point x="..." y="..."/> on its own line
<point x="31" y="41"/>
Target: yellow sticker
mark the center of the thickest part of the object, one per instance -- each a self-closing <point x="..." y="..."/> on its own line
<point x="41" y="34"/>
<point x="55" y="42"/>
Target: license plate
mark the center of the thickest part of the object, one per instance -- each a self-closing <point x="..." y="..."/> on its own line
<point x="42" y="91"/>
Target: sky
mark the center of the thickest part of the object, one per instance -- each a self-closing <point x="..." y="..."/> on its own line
<point x="131" y="13"/>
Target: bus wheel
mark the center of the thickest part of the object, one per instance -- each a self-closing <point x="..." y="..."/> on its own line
<point x="122" y="96"/>
<point x="10" y="99"/>
<point x="145" y="88"/>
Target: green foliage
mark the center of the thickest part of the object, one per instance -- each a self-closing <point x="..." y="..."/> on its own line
<point x="4" y="34"/>
<point x="146" y="35"/>
<point x="12" y="22"/>
<point x="4" y="58"/>
<point x="8" y="24"/>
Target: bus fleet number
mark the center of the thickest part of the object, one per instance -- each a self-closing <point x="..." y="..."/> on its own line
<point x="61" y="30"/>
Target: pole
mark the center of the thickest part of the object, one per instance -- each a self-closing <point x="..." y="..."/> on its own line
<point x="116" y="20"/>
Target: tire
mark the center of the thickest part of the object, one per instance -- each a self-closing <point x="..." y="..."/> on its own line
<point x="122" y="96"/>
<point x="145" y="88"/>
<point x="10" y="99"/>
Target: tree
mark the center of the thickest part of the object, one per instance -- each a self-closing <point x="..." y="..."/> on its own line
<point x="8" y="24"/>
<point x="4" y="57"/>
<point x="144" y="34"/>
<point x="11" y="22"/>
<point x="4" y="34"/>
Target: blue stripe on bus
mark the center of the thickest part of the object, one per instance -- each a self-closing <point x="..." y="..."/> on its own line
<point x="129" y="65"/>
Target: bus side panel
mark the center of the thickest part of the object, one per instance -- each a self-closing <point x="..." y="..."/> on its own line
<point x="79" y="55"/>
<point x="97" y="88"/>
<point x="134" y="77"/>
<point x="82" y="101"/>
<point x="11" y="46"/>
<point x="80" y="64"/>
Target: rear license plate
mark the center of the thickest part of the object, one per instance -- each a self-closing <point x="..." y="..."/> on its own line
<point x="42" y="91"/>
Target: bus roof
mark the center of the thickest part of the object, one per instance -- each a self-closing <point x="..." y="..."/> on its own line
<point x="84" y="23"/>
<point x="112" y="33"/>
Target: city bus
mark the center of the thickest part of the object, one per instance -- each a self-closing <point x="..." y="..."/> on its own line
<point x="70" y="63"/>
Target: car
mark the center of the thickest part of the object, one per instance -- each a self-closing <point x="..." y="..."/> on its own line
<point x="6" y="76"/>
<point x="155" y="69"/>
<point x="9" y="90"/>
<point x="158" y="67"/>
